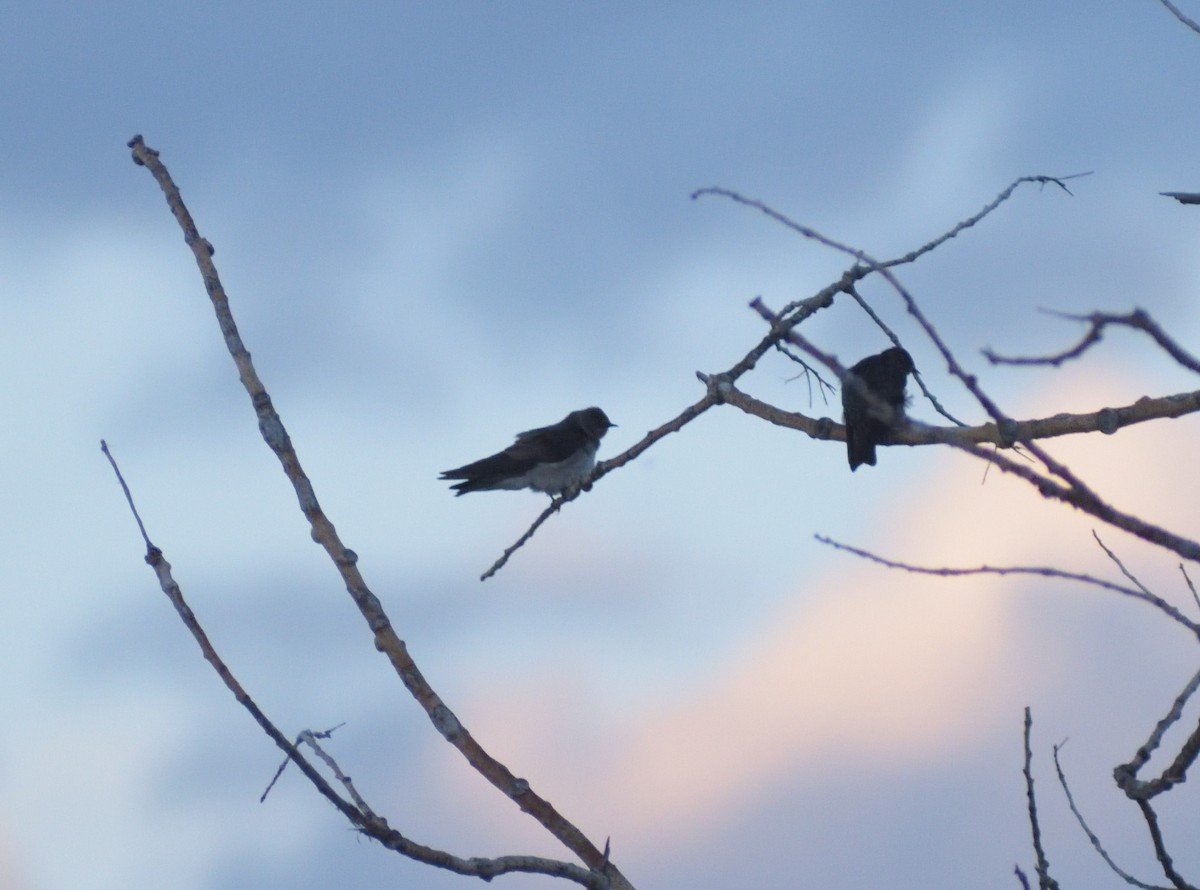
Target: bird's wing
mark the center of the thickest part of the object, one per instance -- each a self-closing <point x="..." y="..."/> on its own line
<point x="545" y="445"/>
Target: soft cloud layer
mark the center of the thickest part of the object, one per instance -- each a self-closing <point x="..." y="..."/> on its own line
<point x="440" y="229"/>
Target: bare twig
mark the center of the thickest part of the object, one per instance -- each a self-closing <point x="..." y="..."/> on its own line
<point x="909" y="257"/>
<point x="162" y="569"/>
<point x="308" y="736"/>
<point x="992" y="205"/>
<point x="1178" y="13"/>
<point x="363" y="820"/>
<point x="1126" y="775"/>
<point x="1138" y="319"/>
<point x="1045" y="882"/>
<point x="1191" y="586"/>
<point x="603" y="468"/>
<point x="809" y="374"/>
<point x="1160" y="848"/>
<point x="1095" y="841"/>
<point x="345" y="560"/>
<point x="1120" y="565"/>
<point x="891" y="335"/>
<point x="1141" y="594"/>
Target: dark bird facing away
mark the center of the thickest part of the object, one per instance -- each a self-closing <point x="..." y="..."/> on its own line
<point x="549" y="459"/>
<point x="884" y="375"/>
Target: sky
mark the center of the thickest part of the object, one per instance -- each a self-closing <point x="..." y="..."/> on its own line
<point x="441" y="224"/>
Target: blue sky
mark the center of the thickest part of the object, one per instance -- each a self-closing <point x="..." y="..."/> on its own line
<point x="442" y="224"/>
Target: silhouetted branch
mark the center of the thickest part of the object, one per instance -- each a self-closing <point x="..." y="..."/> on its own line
<point x="909" y="257"/>
<point x="1137" y="593"/>
<point x="1045" y="882"/>
<point x="782" y="325"/>
<point x="386" y="640"/>
<point x="1091" y="835"/>
<point x="1138" y="319"/>
<point x="1178" y="13"/>
<point x="1126" y="775"/>
<point x="1160" y="848"/>
<point x="1191" y="586"/>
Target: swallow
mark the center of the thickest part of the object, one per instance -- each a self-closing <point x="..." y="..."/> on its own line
<point x="884" y="375"/>
<point x="549" y="459"/>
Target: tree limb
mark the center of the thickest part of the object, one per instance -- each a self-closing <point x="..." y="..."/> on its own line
<point x="345" y="560"/>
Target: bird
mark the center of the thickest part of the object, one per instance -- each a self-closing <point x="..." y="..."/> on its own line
<point x="884" y="375"/>
<point x="549" y="459"/>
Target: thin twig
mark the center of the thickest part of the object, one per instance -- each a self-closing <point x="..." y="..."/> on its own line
<point x="1178" y="13"/>
<point x="891" y="335"/>
<point x="1126" y="775"/>
<point x="603" y="468"/>
<point x="1191" y="586"/>
<point x="1042" y="571"/>
<point x="1138" y="319"/>
<point x="1091" y="835"/>
<point x="1045" y="881"/>
<point x="1160" y="848"/>
<point x="1120" y="565"/>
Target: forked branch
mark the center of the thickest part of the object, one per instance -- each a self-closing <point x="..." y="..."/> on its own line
<point x="599" y="870"/>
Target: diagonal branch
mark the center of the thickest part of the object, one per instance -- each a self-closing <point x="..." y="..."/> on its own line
<point x="1126" y="775"/>
<point x="1138" y="319"/>
<point x="358" y="813"/>
<point x="603" y="468"/>
<point x="1071" y="489"/>
<point x="345" y="560"/>
<point x="911" y="256"/>
<point x="1105" y="420"/>
<point x="1178" y="13"/>
<point x="1137" y="593"/>
<point x="1091" y="835"/>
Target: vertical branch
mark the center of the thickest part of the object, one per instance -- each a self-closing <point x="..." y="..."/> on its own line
<point x="1045" y="882"/>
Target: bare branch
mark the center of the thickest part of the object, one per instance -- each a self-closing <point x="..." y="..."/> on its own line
<point x="781" y="324"/>
<point x="967" y="223"/>
<point x="861" y="256"/>
<point x="891" y="335"/>
<point x="1042" y="571"/>
<point x="1045" y="882"/>
<point x="1126" y="774"/>
<point x="345" y="560"/>
<point x="603" y="468"/>
<point x="1106" y="420"/>
<point x="308" y="736"/>
<point x="1178" y="13"/>
<point x="1120" y="565"/>
<point x="1160" y="847"/>
<point x="1138" y="319"/>
<point x="1005" y="433"/>
<point x="1191" y="586"/>
<point x="809" y="373"/>
<point x="1095" y="841"/>
<point x="1083" y="499"/>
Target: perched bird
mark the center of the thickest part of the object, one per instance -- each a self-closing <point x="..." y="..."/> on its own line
<point x="549" y="459"/>
<point x="884" y="375"/>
